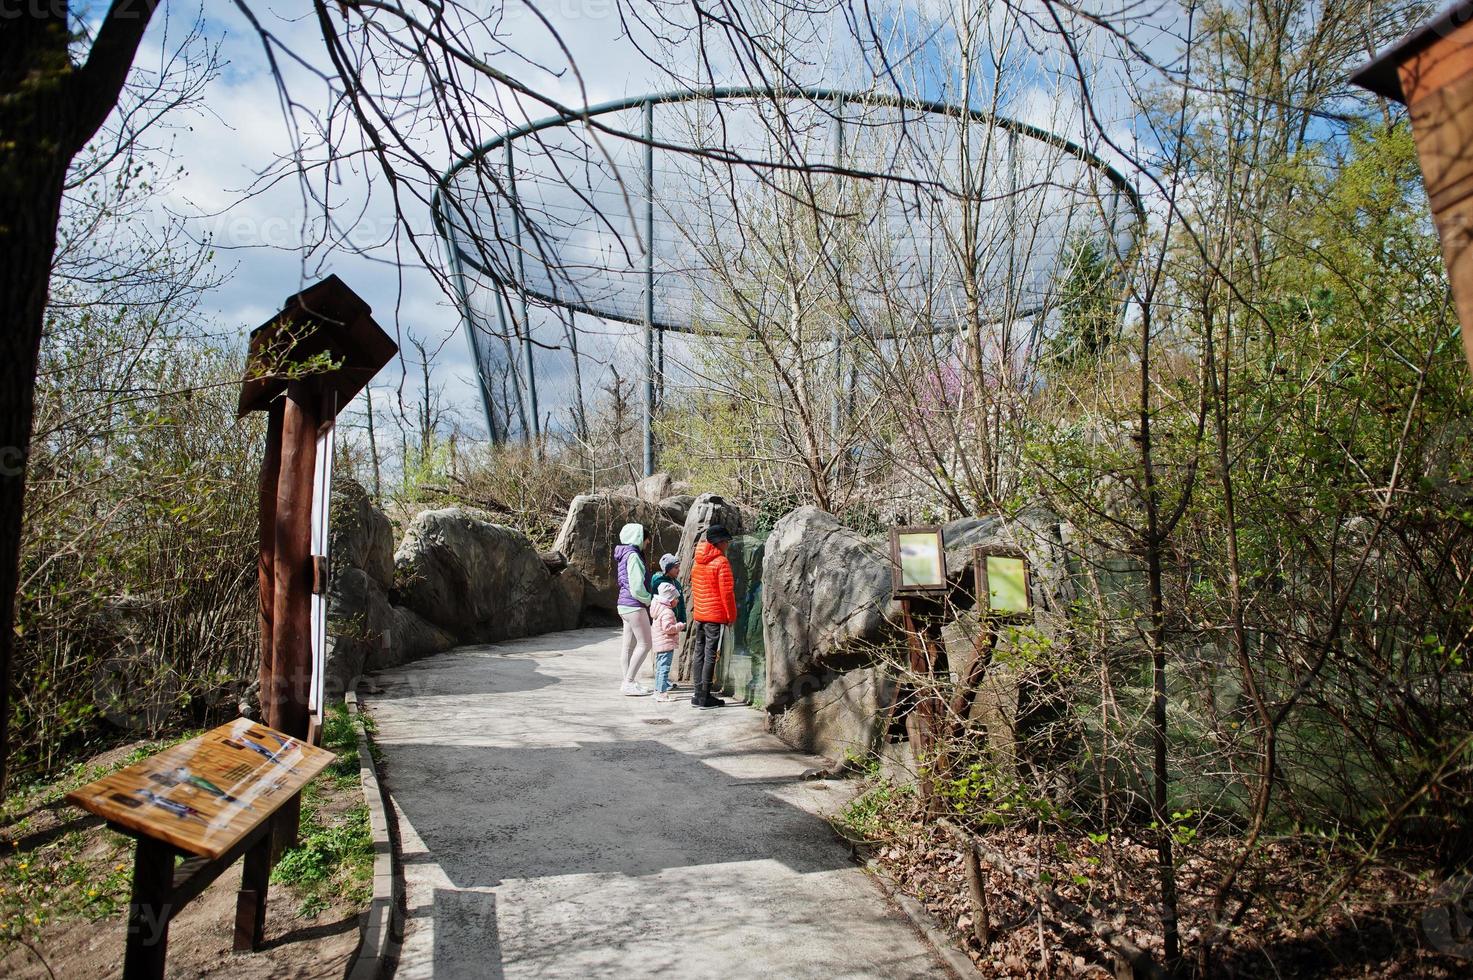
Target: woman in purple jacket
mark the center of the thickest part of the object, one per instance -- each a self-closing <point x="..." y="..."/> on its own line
<point x="634" y="605"/>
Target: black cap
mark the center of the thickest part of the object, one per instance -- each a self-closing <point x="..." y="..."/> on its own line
<point x="717" y="533"/>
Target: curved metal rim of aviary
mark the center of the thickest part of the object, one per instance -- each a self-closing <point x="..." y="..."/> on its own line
<point x="460" y="259"/>
<point x="459" y="256"/>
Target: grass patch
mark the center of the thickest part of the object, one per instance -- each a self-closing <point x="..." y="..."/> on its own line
<point x="876" y="813"/>
<point x="333" y="858"/>
<point x="55" y="861"/>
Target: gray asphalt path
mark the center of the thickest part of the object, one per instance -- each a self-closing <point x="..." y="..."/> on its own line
<point x="551" y="827"/>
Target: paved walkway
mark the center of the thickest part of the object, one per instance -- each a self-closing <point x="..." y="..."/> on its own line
<point x="553" y="828"/>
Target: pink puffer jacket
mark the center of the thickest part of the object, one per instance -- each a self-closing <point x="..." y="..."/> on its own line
<point x="665" y="628"/>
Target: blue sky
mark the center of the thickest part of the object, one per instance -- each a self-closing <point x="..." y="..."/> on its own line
<point x="260" y="232"/>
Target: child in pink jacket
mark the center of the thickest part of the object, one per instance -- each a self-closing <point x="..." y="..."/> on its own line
<point x="665" y="630"/>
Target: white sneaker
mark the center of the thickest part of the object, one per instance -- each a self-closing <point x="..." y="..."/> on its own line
<point x="632" y="690"/>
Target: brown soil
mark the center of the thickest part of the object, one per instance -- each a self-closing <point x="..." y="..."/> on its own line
<point x="88" y="941"/>
<point x="1373" y="930"/>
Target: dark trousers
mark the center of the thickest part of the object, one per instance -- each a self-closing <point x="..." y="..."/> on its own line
<point x="703" y="665"/>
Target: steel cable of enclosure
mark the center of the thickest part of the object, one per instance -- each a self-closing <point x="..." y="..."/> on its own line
<point x="606" y="214"/>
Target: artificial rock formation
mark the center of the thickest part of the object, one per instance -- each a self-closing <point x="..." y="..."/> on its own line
<point x="587" y="541"/>
<point x="366" y="631"/>
<point x="653" y="489"/>
<point x="456" y="578"/>
<point x="480" y="581"/>
<point x="829" y="610"/>
<point x="826" y="602"/>
<point x="361" y="534"/>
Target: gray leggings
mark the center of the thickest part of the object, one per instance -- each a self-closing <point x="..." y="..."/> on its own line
<point x="636" y="641"/>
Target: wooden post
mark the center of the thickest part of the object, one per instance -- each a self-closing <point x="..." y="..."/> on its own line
<point x="927" y="652"/>
<point x="149" y="910"/>
<point x="265" y="563"/>
<point x="292" y="611"/>
<point x="250" y="901"/>
<point x="292" y="607"/>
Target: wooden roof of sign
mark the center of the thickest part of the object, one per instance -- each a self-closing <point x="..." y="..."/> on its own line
<point x="204" y="795"/>
<point x="325" y="318"/>
<point x="1384" y="75"/>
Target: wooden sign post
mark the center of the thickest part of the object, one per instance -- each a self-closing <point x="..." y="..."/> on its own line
<point x="1004" y="594"/>
<point x="213" y="800"/>
<point x="918" y="578"/>
<point x="304" y="365"/>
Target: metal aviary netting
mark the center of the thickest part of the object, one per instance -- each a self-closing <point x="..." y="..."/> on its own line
<point x="631" y="213"/>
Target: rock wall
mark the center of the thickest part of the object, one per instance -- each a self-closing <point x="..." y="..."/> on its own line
<point x="458" y="577"/>
<point x="481" y="582"/>
<point x="590" y="532"/>
<point x="455" y="578"/>
<point x="366" y="631"/>
<point x="829" y="610"/>
<point x="826" y="602"/>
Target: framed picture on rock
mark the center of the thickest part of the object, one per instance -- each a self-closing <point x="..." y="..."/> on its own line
<point x="918" y="559"/>
<point x="1004" y="583"/>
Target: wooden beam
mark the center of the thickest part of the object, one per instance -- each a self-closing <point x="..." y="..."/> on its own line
<point x="149" y="910"/>
<point x="292" y="608"/>
<point x="266" y="559"/>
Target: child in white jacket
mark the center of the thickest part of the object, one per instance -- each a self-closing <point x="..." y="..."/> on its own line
<point x="665" y="629"/>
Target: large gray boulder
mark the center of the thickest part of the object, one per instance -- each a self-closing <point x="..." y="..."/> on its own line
<point x="477" y="580"/>
<point x="366" y="632"/>
<point x="677" y="508"/>
<point x="361" y="535"/>
<point x="589" y="534"/>
<point x="1037" y="533"/>
<point x="844" y="717"/>
<point x="653" y="489"/>
<point x="408" y="637"/>
<point x="704" y="511"/>
<point x="829" y="611"/>
<point x="701" y="513"/>
<point x="826" y="602"/>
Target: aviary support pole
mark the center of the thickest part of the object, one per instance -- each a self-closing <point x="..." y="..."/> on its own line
<point x="502" y="302"/>
<point x="649" y="289"/>
<point x="836" y="416"/>
<point x="468" y="321"/>
<point x="526" y="324"/>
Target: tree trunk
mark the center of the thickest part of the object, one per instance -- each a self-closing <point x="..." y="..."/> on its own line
<point x="26" y="244"/>
<point x="49" y="109"/>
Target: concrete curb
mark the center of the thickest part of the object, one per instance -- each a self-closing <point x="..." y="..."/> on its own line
<point x="954" y="959"/>
<point x="382" y="927"/>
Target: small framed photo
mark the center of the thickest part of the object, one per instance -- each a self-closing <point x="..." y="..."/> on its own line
<point x="1004" y="583"/>
<point x="919" y="559"/>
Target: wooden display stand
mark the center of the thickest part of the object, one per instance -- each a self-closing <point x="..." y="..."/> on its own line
<point x="235" y="792"/>
<point x="1002" y="588"/>
<point x="305" y="364"/>
<point x="212" y="800"/>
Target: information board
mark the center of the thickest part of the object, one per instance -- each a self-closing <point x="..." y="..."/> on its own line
<point x="204" y="795"/>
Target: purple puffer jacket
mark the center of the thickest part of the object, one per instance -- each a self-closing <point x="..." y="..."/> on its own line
<point x="621" y="562"/>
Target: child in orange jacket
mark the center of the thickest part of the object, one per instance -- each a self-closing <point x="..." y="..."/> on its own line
<point x="713" y="608"/>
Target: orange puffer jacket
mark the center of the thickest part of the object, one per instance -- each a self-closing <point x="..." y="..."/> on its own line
<point x="712" y="591"/>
